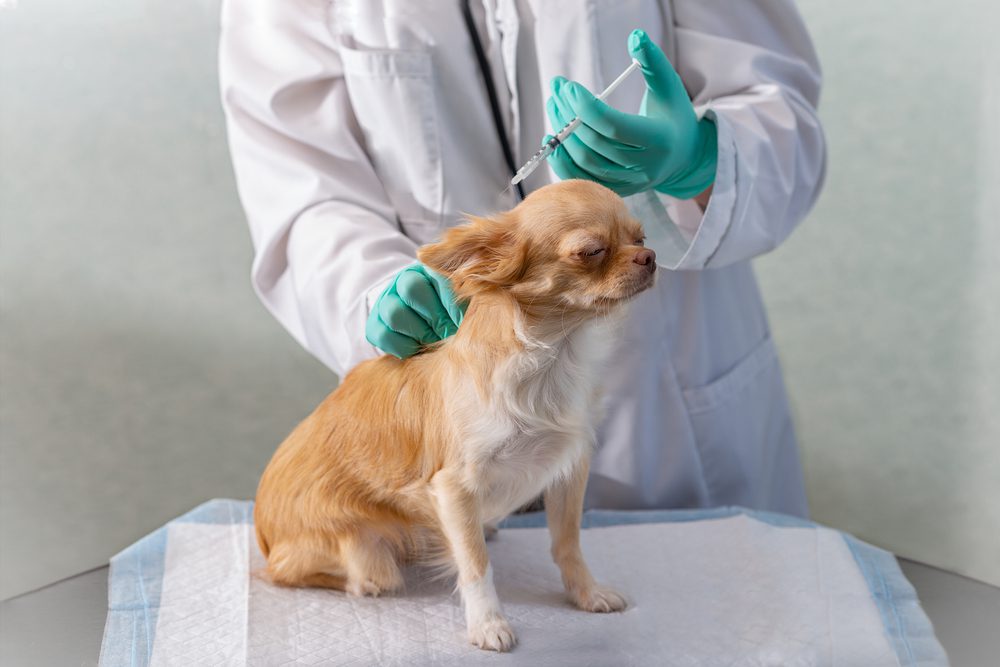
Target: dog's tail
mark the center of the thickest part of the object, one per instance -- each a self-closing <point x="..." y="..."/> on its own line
<point x="265" y="548"/>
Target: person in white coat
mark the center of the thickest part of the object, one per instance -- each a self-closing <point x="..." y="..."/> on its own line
<point x="361" y="129"/>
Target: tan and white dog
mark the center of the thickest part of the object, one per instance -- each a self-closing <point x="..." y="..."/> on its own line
<point x="407" y="458"/>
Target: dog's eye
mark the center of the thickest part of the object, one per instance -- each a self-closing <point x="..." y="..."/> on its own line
<point x="593" y="253"/>
<point x="641" y="240"/>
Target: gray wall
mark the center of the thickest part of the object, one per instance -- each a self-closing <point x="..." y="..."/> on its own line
<point x="139" y="375"/>
<point x="886" y="303"/>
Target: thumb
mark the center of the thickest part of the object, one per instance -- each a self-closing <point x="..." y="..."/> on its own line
<point x="455" y="308"/>
<point x="661" y="78"/>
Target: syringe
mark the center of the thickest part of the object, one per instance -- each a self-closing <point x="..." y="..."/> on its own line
<point x="567" y="130"/>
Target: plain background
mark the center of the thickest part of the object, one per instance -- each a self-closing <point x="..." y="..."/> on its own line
<point x="139" y="375"/>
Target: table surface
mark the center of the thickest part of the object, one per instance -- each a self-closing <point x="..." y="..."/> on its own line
<point x="62" y="623"/>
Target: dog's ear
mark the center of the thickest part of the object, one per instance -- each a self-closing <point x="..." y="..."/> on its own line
<point x="480" y="254"/>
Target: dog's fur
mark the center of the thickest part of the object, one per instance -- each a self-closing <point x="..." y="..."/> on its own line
<point x="409" y="454"/>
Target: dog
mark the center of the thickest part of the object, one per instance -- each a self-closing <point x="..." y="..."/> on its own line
<point x="408" y="457"/>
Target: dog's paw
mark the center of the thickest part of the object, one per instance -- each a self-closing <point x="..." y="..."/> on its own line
<point x="598" y="599"/>
<point x="493" y="634"/>
<point x="362" y="588"/>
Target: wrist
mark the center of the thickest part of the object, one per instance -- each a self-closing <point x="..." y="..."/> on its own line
<point x="703" y="198"/>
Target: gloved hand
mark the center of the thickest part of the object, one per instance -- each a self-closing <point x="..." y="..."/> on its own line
<point x="664" y="146"/>
<point x="417" y="308"/>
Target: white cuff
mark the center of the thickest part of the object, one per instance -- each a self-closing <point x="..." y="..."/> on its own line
<point x="683" y="236"/>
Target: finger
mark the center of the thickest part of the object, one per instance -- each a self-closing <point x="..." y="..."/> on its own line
<point x="415" y="290"/>
<point x="622" y="127"/>
<point x="403" y="320"/>
<point x="560" y="89"/>
<point x="387" y="340"/>
<point x="555" y="87"/>
<point x="599" y="167"/>
<point x="621" y="154"/>
<point x="660" y="75"/>
<point x="551" y="110"/>
<point x="447" y="297"/>
<point x="566" y="169"/>
<point x="563" y="165"/>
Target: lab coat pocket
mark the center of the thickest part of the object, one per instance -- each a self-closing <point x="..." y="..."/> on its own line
<point x="392" y="93"/>
<point x="742" y="430"/>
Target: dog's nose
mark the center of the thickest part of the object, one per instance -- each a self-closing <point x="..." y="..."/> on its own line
<point x="646" y="257"/>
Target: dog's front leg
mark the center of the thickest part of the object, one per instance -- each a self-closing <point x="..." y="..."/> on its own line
<point x="563" y="510"/>
<point x="458" y="513"/>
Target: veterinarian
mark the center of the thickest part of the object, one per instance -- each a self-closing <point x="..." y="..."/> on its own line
<point x="360" y="130"/>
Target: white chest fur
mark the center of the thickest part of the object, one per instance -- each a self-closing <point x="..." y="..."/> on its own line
<point x="538" y="421"/>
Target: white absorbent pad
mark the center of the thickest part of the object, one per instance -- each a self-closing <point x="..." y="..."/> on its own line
<point x="714" y="587"/>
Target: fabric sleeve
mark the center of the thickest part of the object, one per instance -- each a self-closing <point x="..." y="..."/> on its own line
<point x="326" y="238"/>
<point x="750" y="66"/>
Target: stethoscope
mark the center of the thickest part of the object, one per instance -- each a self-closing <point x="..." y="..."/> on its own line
<point x="491" y="93"/>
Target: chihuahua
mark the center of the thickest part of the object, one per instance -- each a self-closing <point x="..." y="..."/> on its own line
<point x="411" y="457"/>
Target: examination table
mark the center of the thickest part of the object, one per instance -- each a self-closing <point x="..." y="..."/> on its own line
<point x="61" y="624"/>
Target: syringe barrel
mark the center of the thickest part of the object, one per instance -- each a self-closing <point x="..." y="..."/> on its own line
<point x="568" y="129"/>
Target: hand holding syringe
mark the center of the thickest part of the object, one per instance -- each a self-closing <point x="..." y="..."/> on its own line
<point x="568" y="129"/>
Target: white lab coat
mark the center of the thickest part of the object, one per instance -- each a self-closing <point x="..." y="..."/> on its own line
<point x="360" y="129"/>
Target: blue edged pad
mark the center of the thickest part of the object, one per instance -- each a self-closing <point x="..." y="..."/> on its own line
<point x="136" y="578"/>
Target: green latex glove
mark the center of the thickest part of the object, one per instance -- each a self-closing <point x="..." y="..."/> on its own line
<point x="417" y="308"/>
<point x="664" y="146"/>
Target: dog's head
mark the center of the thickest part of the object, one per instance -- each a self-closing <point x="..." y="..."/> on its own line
<point x="570" y="246"/>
